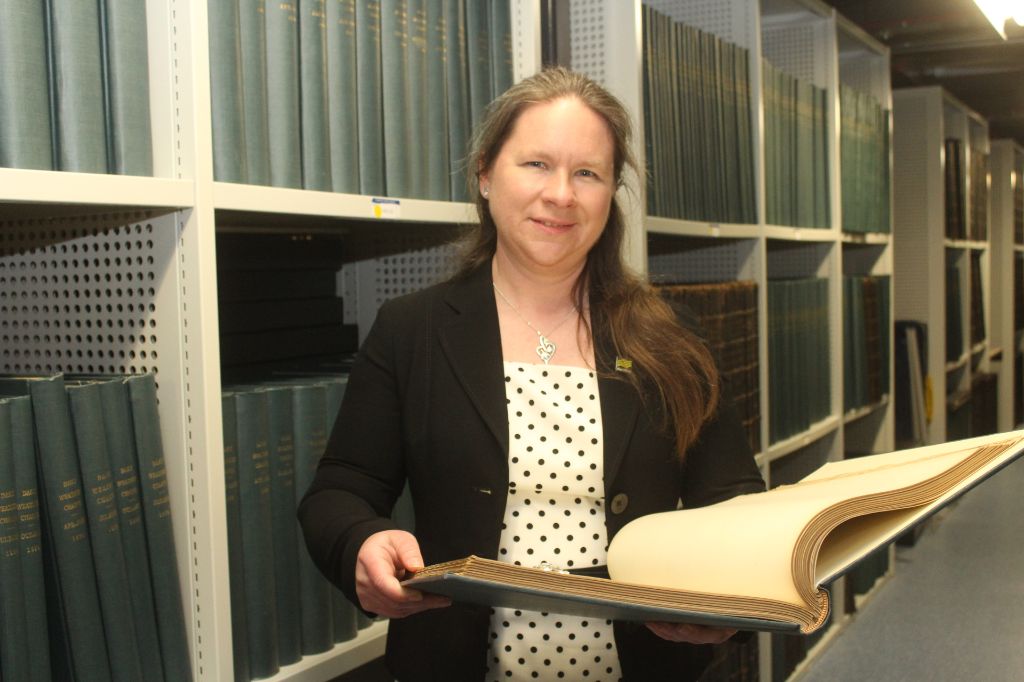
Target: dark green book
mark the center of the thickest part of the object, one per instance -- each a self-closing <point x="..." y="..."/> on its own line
<point x="369" y="97"/>
<point x="236" y="561"/>
<point x="229" y="157"/>
<point x="255" y="485"/>
<point x="117" y="422"/>
<point x="348" y="620"/>
<point x="283" y="115"/>
<point x="281" y="441"/>
<point x="501" y="46"/>
<point x="418" y="109"/>
<point x="14" y="651"/>
<point x="30" y="536"/>
<point x="316" y="143"/>
<point x="438" y="181"/>
<point x="77" y="82"/>
<point x="252" y="22"/>
<point x="105" y="531"/>
<point x="394" y="45"/>
<point x="78" y="645"/>
<point x="457" y="95"/>
<point x="156" y="511"/>
<point x="343" y="95"/>
<point x="126" y="71"/>
<point x="478" y="58"/>
<point x="309" y="404"/>
<point x="24" y="86"/>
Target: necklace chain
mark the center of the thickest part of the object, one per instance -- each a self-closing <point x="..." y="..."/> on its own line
<point x="545" y="347"/>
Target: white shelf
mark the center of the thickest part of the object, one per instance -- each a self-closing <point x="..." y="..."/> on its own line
<point x="344" y="657"/>
<point x="816" y="432"/>
<point x="34" y="192"/>
<point x="690" y="228"/>
<point x="859" y="413"/>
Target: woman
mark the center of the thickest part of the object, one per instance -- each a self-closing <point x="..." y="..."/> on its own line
<point x="516" y="399"/>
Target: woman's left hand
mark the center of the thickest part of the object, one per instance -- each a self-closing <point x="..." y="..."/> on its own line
<point x="692" y="634"/>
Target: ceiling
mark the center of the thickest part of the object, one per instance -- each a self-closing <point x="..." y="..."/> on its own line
<point x="951" y="44"/>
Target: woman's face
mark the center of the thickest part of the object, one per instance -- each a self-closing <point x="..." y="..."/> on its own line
<point x="550" y="187"/>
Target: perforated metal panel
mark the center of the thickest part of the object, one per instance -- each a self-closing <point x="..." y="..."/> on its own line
<point x="586" y="22"/>
<point x="81" y="297"/>
<point x="798" y="49"/>
<point x="731" y="21"/>
<point x="366" y="285"/>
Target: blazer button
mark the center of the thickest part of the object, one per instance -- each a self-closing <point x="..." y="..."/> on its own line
<point x="619" y="503"/>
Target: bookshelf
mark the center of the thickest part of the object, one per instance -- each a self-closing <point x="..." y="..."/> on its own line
<point x="943" y="251"/>
<point x="70" y="243"/>
<point x="811" y="43"/>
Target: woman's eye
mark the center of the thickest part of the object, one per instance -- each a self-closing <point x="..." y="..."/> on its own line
<point x="535" y="164"/>
<point x="587" y="173"/>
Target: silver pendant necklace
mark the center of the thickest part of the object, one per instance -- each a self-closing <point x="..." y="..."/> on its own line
<point x="545" y="347"/>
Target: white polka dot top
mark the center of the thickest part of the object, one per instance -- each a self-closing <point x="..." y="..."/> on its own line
<point x="554" y="513"/>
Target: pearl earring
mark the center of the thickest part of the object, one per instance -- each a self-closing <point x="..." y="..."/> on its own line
<point x="486" y="192"/>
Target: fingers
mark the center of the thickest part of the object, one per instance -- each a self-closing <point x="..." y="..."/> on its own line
<point x="384" y="559"/>
<point x="693" y="634"/>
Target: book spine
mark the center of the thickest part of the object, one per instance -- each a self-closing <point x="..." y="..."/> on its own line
<point x="236" y="561"/>
<point x="343" y="95"/>
<point x="105" y="531"/>
<point x="309" y="409"/>
<point x="127" y="70"/>
<point x="229" y="157"/>
<point x="80" y="647"/>
<point x="348" y="620"/>
<point x="255" y="132"/>
<point x="418" y="109"/>
<point x="501" y="46"/>
<point x="457" y="95"/>
<point x="78" y="86"/>
<point x="438" y="181"/>
<point x="283" y="116"/>
<point x="14" y="653"/>
<point x="30" y="536"/>
<point x="117" y="422"/>
<point x="254" y="498"/>
<point x="24" y="87"/>
<point x="369" y="97"/>
<point x="394" y="44"/>
<point x="285" y="527"/>
<point x="316" y="143"/>
<point x="156" y="512"/>
<point x="478" y="59"/>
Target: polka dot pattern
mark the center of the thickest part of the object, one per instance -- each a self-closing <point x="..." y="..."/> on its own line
<point x="554" y="513"/>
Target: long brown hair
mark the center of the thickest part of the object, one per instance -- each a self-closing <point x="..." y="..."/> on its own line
<point x="670" y="363"/>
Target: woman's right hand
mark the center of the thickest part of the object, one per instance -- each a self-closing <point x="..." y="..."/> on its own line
<point x="384" y="559"/>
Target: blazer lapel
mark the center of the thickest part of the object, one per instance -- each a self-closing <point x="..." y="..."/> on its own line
<point x="620" y="406"/>
<point x="471" y="341"/>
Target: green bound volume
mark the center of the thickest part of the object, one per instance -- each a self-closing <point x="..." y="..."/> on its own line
<point x="285" y="526"/>
<point x="283" y="116"/>
<point x="254" y="498"/>
<point x="117" y="422"/>
<point x="456" y="95"/>
<point x="14" y="652"/>
<point x="30" y="535"/>
<point x="438" y="178"/>
<point x="105" y="531"/>
<point x="78" y="645"/>
<point x="236" y="562"/>
<point x="126" y="51"/>
<point x="309" y="404"/>
<point x="501" y="47"/>
<point x="369" y="101"/>
<point x="418" y="109"/>
<point x="343" y="95"/>
<point x="77" y="82"/>
<point x="394" y="44"/>
<point x="156" y="511"/>
<point x="226" y="92"/>
<point x="478" y="58"/>
<point x="348" y="620"/>
<point x="316" y="144"/>
<point x="24" y="86"/>
<point x="252" y="18"/>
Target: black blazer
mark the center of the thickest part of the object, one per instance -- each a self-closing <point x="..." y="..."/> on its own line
<point x="425" y="403"/>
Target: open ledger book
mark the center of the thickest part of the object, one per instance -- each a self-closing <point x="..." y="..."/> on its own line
<point x="755" y="562"/>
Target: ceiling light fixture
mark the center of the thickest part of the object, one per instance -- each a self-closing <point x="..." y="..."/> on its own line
<point x="998" y="12"/>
